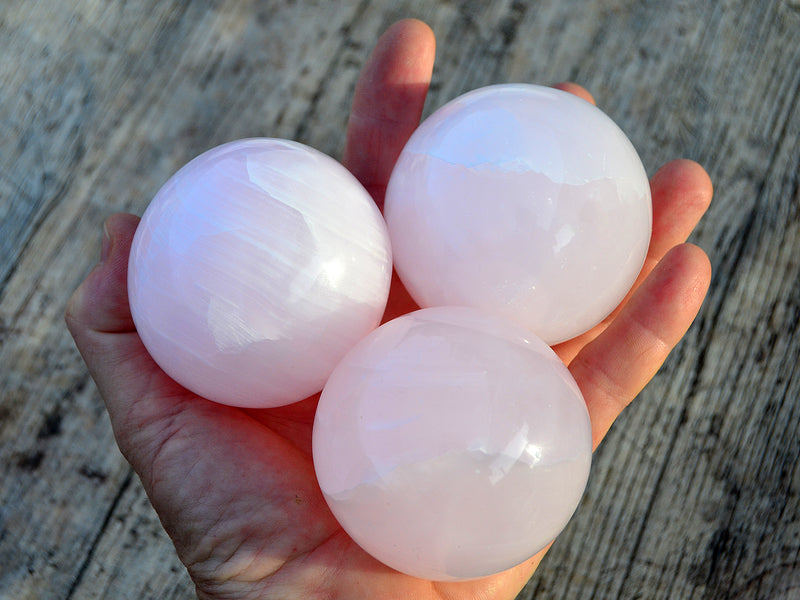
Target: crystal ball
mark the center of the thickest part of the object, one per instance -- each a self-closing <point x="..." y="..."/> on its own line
<point x="255" y="268"/>
<point x="451" y="444"/>
<point x="525" y="201"/>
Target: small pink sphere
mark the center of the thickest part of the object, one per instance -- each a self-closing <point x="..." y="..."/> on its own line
<point x="525" y="201"/>
<point x="450" y="444"/>
<point x="255" y="268"/>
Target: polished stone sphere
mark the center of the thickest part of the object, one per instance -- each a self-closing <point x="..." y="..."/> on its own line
<point x="525" y="201"/>
<point x="451" y="444"/>
<point x="255" y="268"/>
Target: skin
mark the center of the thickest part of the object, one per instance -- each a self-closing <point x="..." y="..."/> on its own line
<point x="235" y="489"/>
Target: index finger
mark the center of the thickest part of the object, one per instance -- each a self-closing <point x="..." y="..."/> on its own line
<point x="388" y="102"/>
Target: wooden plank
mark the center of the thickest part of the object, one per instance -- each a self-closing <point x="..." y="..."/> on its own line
<point x="695" y="492"/>
<point x="134" y="558"/>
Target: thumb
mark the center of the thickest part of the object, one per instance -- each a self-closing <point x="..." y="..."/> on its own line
<point x="99" y="318"/>
<point x="100" y="304"/>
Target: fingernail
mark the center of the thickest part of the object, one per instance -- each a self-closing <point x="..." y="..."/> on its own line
<point x="105" y="249"/>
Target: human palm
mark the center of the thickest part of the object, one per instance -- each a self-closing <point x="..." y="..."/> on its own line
<point x="235" y="488"/>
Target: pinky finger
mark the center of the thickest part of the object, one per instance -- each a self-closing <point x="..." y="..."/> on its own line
<point x="616" y="366"/>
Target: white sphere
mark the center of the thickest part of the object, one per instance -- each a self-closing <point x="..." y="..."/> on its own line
<point x="255" y="268"/>
<point x="451" y="444"/>
<point x="525" y="201"/>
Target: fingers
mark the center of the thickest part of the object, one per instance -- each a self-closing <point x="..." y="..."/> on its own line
<point x="388" y="102"/>
<point x="98" y="315"/>
<point x="98" y="311"/>
<point x="575" y="90"/>
<point x="681" y="193"/>
<point x="101" y="302"/>
<point x="99" y="318"/>
<point x="615" y="367"/>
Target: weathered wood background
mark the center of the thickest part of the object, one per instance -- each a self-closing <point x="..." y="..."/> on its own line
<point x="694" y="494"/>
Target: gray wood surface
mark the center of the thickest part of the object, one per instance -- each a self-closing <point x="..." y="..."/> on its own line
<point x="695" y="492"/>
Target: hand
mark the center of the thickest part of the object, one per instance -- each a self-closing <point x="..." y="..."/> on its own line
<point x="235" y="489"/>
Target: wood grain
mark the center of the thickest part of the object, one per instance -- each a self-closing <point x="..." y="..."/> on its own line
<point x="696" y="491"/>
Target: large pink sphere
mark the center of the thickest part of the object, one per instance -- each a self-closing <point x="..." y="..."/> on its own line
<point x="450" y="444"/>
<point x="525" y="201"/>
<point x="255" y="268"/>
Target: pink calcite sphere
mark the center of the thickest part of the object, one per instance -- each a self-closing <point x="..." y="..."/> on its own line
<point x="451" y="444"/>
<point x="525" y="201"/>
<point x="255" y="268"/>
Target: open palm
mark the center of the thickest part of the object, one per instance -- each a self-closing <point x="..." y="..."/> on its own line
<point x="235" y="488"/>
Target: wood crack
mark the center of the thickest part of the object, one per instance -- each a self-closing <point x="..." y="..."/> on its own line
<point x="90" y="554"/>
